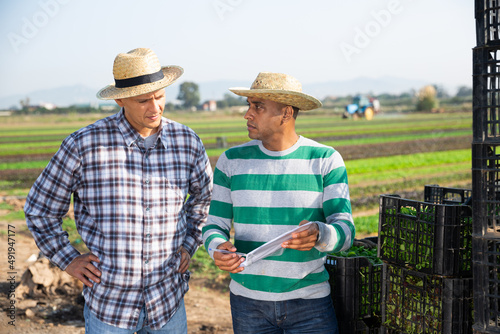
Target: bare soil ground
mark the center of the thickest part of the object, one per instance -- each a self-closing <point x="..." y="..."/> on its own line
<point x="207" y="304"/>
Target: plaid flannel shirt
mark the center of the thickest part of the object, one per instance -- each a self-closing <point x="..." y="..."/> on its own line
<point x="130" y="210"/>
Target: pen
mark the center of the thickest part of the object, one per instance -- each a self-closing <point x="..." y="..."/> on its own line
<point x="226" y="251"/>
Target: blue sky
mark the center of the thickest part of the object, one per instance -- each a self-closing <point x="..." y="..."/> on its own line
<point x="53" y="43"/>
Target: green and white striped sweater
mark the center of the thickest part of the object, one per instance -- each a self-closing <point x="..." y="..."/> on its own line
<point x="262" y="194"/>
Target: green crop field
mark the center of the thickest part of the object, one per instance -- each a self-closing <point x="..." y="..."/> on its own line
<point x="393" y="153"/>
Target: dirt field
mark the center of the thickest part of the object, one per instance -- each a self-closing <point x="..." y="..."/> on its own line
<point x="207" y="307"/>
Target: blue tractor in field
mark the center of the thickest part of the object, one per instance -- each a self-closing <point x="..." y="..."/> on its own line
<point x="362" y="106"/>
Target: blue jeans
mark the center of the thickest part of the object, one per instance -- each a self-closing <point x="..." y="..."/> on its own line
<point x="176" y="324"/>
<point x="296" y="316"/>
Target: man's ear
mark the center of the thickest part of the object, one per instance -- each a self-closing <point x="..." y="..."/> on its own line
<point x="288" y="115"/>
<point x="119" y="102"/>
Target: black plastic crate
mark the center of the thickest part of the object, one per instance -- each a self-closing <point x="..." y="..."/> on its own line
<point x="431" y="238"/>
<point x="486" y="189"/>
<point x="487" y="14"/>
<point x="486" y="263"/>
<point x="433" y="193"/>
<point x="486" y="95"/>
<point x="356" y="290"/>
<point x="358" y="326"/>
<point x="480" y="331"/>
<point x="415" y="302"/>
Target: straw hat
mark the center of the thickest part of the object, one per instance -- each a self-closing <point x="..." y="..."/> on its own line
<point x="138" y="72"/>
<point x="280" y="88"/>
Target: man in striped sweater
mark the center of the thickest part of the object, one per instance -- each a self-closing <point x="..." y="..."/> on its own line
<point x="269" y="186"/>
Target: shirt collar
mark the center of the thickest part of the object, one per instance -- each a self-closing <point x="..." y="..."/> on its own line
<point x="163" y="131"/>
<point x="130" y="135"/>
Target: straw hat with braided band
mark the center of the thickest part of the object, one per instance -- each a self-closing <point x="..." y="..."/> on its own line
<point x="279" y="87"/>
<point x="138" y="72"/>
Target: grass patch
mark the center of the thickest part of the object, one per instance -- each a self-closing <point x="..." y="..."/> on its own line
<point x="34" y="138"/>
<point x="7" y="148"/>
<point x="39" y="164"/>
<point x="74" y="237"/>
<point x="361" y="180"/>
<point x="366" y="224"/>
<point x="5" y="206"/>
<point x="393" y="139"/>
<point x="14" y="215"/>
<point x="202" y="265"/>
<point x="402" y="162"/>
<point x="21" y="192"/>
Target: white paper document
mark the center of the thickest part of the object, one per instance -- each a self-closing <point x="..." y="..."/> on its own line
<point x="271" y="247"/>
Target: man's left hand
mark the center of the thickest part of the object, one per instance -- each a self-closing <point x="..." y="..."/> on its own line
<point x="304" y="240"/>
<point x="185" y="260"/>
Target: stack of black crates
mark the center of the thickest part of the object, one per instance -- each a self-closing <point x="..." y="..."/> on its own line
<point x="486" y="167"/>
<point x="426" y="248"/>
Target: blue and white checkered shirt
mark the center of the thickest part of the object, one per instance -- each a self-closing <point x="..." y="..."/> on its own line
<point x="131" y="212"/>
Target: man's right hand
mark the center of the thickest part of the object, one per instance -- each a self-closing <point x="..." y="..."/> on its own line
<point x="228" y="262"/>
<point x="83" y="269"/>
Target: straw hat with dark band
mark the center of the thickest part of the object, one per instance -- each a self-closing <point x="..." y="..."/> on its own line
<point x="280" y="88"/>
<point x="139" y="72"/>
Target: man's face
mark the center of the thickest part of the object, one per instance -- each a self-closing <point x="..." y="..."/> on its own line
<point x="264" y="118"/>
<point x="144" y="112"/>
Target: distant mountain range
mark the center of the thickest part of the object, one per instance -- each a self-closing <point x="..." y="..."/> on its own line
<point x="215" y="90"/>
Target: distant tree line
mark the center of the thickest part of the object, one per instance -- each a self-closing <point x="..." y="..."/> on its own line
<point x="81" y="109"/>
<point x="231" y="100"/>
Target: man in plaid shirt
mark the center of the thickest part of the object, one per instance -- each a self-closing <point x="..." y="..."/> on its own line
<point x="130" y="175"/>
